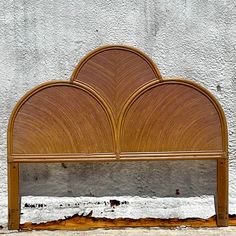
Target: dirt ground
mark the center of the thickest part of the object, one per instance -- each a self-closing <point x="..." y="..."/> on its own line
<point x="229" y="231"/>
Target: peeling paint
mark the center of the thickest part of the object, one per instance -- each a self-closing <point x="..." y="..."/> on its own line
<point x="115" y="207"/>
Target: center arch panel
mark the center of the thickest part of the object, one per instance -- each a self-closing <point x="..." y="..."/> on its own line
<point x="116" y="72"/>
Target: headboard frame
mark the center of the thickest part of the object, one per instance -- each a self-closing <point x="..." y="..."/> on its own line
<point x="117" y="107"/>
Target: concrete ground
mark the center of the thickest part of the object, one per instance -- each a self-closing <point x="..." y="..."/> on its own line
<point x="229" y="231"/>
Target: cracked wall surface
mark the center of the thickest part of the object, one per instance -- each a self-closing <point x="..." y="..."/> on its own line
<point x="44" y="40"/>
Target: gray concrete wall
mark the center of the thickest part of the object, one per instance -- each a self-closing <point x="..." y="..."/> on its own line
<point x="43" y="40"/>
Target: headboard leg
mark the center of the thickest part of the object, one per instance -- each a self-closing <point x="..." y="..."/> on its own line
<point x="13" y="196"/>
<point x="222" y="192"/>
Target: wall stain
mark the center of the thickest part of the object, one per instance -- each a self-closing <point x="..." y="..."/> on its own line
<point x="114" y="203"/>
<point x="177" y="192"/>
<point x="64" y="165"/>
<point x="38" y="205"/>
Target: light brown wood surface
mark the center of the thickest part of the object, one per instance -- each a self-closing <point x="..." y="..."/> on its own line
<point x="117" y="107"/>
<point x="62" y="118"/>
<point x="116" y="72"/>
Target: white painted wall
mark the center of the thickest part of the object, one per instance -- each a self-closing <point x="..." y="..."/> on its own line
<point x="43" y="40"/>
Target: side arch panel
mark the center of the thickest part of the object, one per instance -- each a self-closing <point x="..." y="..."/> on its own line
<point x="61" y="118"/>
<point x="171" y="116"/>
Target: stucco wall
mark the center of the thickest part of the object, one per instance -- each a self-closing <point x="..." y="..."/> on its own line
<point x="44" y="40"/>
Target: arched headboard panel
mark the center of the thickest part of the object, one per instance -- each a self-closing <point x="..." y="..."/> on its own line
<point x="172" y="116"/>
<point x="61" y="118"/>
<point x="116" y="72"/>
<point x="117" y="107"/>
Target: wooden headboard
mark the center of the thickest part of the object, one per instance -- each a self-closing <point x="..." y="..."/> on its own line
<point x="117" y="107"/>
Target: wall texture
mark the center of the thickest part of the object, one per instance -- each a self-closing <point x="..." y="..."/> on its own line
<point x="43" y="40"/>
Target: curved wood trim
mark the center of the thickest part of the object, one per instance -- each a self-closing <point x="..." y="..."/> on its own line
<point x="119" y="47"/>
<point x="188" y="83"/>
<point x="78" y="85"/>
<point x="88" y="86"/>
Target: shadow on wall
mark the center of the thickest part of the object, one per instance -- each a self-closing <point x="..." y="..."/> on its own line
<point x="159" y="179"/>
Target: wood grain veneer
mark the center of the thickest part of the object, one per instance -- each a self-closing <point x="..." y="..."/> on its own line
<point x="165" y="113"/>
<point x="44" y="122"/>
<point x="116" y="72"/>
